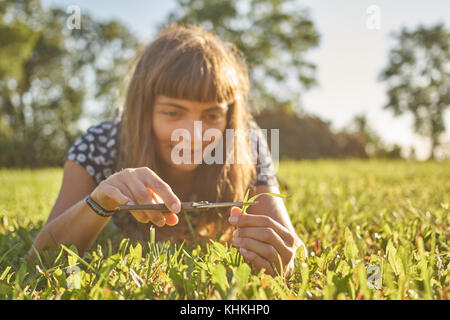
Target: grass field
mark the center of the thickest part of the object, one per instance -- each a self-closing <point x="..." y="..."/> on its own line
<point x="374" y="230"/>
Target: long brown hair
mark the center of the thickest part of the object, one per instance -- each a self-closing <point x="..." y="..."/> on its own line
<point x="188" y="62"/>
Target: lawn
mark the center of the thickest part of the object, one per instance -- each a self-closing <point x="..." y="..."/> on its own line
<point x="374" y="229"/>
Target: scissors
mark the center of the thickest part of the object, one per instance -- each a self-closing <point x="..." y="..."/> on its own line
<point x="185" y="206"/>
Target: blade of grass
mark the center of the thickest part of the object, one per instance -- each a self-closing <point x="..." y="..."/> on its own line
<point x="83" y="261"/>
<point x="8" y="251"/>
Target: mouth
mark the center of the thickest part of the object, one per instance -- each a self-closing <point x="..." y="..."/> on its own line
<point x="181" y="151"/>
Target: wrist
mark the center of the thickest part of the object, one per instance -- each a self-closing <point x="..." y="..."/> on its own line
<point x="98" y="195"/>
<point x="97" y="208"/>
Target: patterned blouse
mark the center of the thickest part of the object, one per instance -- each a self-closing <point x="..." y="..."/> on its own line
<point x="97" y="149"/>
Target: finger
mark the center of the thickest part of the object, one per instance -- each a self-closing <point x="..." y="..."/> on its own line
<point x="157" y="185"/>
<point x="114" y="197"/>
<point x="155" y="196"/>
<point x="141" y="217"/>
<point x="144" y="216"/>
<point x="156" y="217"/>
<point x="268" y="236"/>
<point x="137" y="188"/>
<point x="235" y="211"/>
<point x="123" y="188"/>
<point x="171" y="218"/>
<point x="257" y="261"/>
<point x="114" y="193"/>
<point x="142" y="196"/>
<point x="262" y="249"/>
<point x="257" y="220"/>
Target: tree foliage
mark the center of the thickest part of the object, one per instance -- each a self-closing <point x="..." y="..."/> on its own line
<point x="48" y="73"/>
<point x="418" y="78"/>
<point x="273" y="35"/>
<point x="308" y="137"/>
<point x="373" y="144"/>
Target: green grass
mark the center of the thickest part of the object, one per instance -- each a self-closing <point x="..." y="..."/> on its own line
<point x="354" y="216"/>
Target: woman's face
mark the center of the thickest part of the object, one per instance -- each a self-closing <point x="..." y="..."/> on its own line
<point x="170" y="114"/>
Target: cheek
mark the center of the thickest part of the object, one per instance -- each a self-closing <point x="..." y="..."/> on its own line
<point x="161" y="131"/>
<point x="220" y="126"/>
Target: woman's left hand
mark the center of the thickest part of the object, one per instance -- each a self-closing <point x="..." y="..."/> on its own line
<point x="264" y="242"/>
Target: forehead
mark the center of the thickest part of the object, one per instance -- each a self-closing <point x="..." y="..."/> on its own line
<point x="161" y="99"/>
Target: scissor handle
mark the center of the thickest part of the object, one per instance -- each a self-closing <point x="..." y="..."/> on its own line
<point x="153" y="207"/>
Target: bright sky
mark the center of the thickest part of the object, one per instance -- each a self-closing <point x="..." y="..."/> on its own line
<point x="349" y="58"/>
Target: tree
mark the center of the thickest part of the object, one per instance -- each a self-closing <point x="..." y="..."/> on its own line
<point x="48" y="72"/>
<point x="418" y="78"/>
<point x="369" y="138"/>
<point x="366" y="135"/>
<point x="273" y="35"/>
<point x="308" y="137"/>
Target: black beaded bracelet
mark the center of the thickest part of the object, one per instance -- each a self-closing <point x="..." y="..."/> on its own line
<point x="98" y="209"/>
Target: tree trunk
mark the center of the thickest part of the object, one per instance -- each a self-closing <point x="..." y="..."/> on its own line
<point x="434" y="144"/>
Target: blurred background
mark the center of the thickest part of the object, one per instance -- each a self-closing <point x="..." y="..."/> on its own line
<point x="353" y="79"/>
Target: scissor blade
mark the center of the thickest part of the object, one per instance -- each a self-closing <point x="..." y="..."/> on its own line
<point x="185" y="206"/>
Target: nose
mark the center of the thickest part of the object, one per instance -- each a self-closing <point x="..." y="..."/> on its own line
<point x="196" y="134"/>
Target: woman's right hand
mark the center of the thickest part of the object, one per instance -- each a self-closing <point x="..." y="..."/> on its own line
<point x="134" y="186"/>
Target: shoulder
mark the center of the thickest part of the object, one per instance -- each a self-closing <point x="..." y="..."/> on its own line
<point x="96" y="149"/>
<point x="103" y="134"/>
<point x="266" y="171"/>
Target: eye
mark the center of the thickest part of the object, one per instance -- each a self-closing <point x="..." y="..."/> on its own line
<point x="214" y="116"/>
<point x="171" y="114"/>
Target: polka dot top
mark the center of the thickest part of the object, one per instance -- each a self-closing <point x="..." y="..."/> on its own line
<point x="96" y="150"/>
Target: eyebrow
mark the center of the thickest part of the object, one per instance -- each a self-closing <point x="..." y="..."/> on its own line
<point x="184" y="108"/>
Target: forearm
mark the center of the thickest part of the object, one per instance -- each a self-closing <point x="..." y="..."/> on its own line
<point x="78" y="225"/>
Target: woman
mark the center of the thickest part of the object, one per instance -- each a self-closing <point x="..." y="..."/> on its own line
<point x="185" y="75"/>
